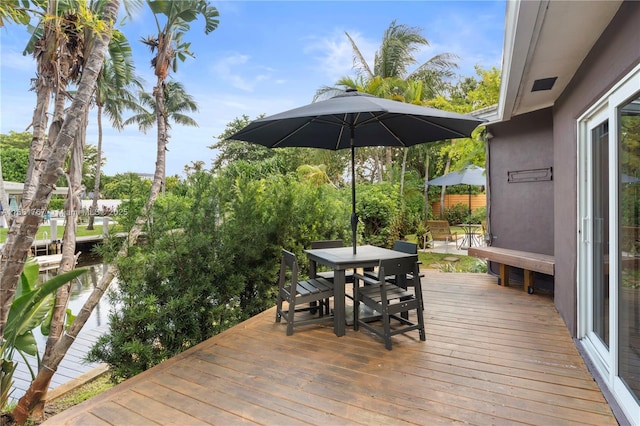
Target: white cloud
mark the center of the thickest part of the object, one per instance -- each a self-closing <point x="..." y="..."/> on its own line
<point x="334" y="54"/>
<point x="240" y="72"/>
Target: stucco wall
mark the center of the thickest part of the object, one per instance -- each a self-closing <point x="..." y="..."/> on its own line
<point x="521" y="213"/>
<point x="613" y="56"/>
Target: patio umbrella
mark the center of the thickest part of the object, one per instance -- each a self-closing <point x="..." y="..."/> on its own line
<point x="353" y="119"/>
<point x="470" y="175"/>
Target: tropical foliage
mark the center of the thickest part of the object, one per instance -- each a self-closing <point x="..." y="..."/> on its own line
<point x="31" y="308"/>
<point x="214" y="237"/>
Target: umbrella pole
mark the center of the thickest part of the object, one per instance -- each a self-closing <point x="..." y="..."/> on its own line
<point x="354" y="216"/>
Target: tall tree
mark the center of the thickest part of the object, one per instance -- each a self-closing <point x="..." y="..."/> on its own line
<point x="230" y="151"/>
<point x="15" y="252"/>
<point x="468" y="94"/>
<point x="176" y="101"/>
<point x="114" y="94"/>
<point x="54" y="43"/>
<point x="393" y="74"/>
<point x="169" y="47"/>
<point x="180" y="16"/>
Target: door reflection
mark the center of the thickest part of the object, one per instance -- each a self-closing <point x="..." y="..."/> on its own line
<point x="629" y="245"/>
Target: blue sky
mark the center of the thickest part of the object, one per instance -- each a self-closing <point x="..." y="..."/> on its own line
<point x="265" y="57"/>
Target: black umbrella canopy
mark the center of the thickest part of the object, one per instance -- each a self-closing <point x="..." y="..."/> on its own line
<point x="355" y="119"/>
<point x="375" y="122"/>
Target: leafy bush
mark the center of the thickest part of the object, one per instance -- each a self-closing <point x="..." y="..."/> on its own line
<point x="378" y="206"/>
<point x="478" y="215"/>
<point x="211" y="263"/>
<point x="56" y="203"/>
<point x="458" y="213"/>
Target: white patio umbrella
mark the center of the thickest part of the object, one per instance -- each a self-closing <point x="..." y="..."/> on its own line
<point x="470" y="175"/>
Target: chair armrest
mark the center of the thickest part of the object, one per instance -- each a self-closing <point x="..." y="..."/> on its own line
<point x="366" y="279"/>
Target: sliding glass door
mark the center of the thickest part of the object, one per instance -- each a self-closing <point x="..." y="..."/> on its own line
<point x="609" y="240"/>
<point x="629" y="244"/>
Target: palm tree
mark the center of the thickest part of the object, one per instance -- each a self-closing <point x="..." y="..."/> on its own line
<point x="13" y="11"/>
<point x="54" y="45"/>
<point x="170" y="48"/>
<point x="389" y="77"/>
<point x="113" y="95"/>
<point x="14" y="253"/>
<point x="393" y="59"/>
<point x="177" y="100"/>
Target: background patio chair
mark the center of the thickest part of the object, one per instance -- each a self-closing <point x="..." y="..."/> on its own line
<point x="323" y="244"/>
<point x="296" y="292"/>
<point x="328" y="275"/>
<point x="390" y="300"/>
<point x="404" y="247"/>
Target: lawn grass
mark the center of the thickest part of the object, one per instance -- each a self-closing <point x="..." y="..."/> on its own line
<point x="44" y="231"/>
<point x="449" y="262"/>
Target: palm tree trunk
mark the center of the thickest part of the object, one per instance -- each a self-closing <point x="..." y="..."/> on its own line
<point x="4" y="199"/>
<point x="163" y="137"/>
<point x="13" y="264"/>
<point x="50" y="364"/>
<point x="36" y="163"/>
<point x="71" y="211"/>
<point x="37" y="155"/>
<point x="388" y="157"/>
<point x="96" y="184"/>
<point x="69" y="258"/>
<point x="404" y="165"/>
<point x="426" y="187"/>
<point x="444" y="188"/>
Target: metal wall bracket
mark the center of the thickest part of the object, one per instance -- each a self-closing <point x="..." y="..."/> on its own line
<point x="532" y="175"/>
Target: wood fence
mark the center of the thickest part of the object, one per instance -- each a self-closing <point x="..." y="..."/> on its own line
<point x="477" y="201"/>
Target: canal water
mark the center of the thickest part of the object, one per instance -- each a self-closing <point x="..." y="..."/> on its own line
<point x="81" y="289"/>
<point x="73" y="364"/>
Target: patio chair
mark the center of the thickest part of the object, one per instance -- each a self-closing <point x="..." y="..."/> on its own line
<point x="404" y="247"/>
<point x="390" y="300"/>
<point x="328" y="275"/>
<point x="323" y="244"/>
<point x="411" y="248"/>
<point x="440" y="230"/>
<point x="297" y="293"/>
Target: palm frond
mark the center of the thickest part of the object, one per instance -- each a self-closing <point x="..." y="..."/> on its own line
<point x="359" y="62"/>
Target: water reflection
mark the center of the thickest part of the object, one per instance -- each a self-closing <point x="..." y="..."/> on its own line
<point x="73" y="363"/>
<point x="81" y="289"/>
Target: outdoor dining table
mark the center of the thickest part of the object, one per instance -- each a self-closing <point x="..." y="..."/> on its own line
<point x="340" y="259"/>
<point x="470" y="235"/>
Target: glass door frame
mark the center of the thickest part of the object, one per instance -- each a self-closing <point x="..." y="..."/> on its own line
<point x="602" y="356"/>
<point x="605" y="361"/>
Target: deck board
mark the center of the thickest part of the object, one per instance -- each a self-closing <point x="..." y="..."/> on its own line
<point x="493" y="355"/>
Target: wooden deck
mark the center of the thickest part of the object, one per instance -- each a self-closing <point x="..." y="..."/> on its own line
<point x="493" y="355"/>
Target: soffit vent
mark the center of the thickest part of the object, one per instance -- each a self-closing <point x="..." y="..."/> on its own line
<point x="543" y="84"/>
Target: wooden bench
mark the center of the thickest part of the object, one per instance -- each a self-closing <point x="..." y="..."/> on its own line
<point x="440" y="230"/>
<point x="529" y="262"/>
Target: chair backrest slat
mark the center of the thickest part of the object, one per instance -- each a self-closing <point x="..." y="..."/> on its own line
<point x="398" y="267"/>
<point x="405" y="247"/>
<point x="288" y="261"/>
<point x="323" y="244"/>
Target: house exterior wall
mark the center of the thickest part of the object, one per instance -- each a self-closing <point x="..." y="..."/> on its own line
<point x="613" y="56"/>
<point x="521" y="213"/>
<point x="542" y="216"/>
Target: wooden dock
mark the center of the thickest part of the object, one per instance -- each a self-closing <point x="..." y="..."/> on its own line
<point x="493" y="355"/>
